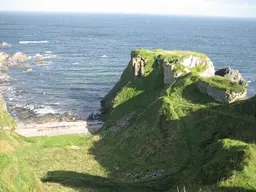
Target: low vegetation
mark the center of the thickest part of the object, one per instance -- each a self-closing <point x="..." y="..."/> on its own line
<point x="168" y="138"/>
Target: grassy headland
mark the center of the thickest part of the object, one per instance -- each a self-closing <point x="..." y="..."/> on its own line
<point x="156" y="137"/>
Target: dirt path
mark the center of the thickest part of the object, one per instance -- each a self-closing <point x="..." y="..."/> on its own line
<point x="58" y="128"/>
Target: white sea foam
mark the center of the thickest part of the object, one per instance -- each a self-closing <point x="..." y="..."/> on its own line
<point x="32" y="42"/>
<point x="43" y="110"/>
<point x="53" y="103"/>
<point x="48" y="56"/>
<point x="104" y="56"/>
<point x="45" y="56"/>
<point x="75" y="63"/>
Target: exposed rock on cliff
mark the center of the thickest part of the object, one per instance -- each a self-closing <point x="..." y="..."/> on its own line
<point x="173" y="69"/>
<point x="232" y="75"/>
<point x="221" y="90"/>
<point x="227" y="86"/>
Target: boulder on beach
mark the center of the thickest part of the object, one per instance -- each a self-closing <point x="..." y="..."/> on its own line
<point x="94" y="117"/>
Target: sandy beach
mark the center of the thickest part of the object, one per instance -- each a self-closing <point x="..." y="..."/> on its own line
<point x="58" y="128"/>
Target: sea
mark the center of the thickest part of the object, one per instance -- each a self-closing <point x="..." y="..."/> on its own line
<point x="87" y="53"/>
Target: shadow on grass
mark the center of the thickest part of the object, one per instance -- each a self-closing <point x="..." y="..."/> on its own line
<point x="236" y="189"/>
<point x="82" y="181"/>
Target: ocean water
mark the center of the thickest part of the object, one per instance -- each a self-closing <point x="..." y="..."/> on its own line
<point x="88" y="52"/>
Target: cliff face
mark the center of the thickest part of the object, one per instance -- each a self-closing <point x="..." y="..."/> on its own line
<point x="170" y="65"/>
<point x="172" y="133"/>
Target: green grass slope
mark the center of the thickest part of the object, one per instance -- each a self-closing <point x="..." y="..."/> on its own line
<point x="155" y="138"/>
<point x="15" y="174"/>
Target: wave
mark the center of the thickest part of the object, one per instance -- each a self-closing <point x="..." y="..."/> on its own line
<point x="43" y="110"/>
<point x="251" y="81"/>
<point x="38" y="109"/>
<point x="32" y="42"/>
<point x="104" y="56"/>
<point x="44" y="56"/>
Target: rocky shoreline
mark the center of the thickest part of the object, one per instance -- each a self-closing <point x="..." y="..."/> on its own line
<point x="28" y="116"/>
<point x="29" y="123"/>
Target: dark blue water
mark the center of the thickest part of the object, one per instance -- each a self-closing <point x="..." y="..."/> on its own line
<point x="92" y="51"/>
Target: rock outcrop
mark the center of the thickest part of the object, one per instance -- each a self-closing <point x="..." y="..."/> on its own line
<point x="227" y="86"/>
<point x="232" y="75"/>
<point x="4" y="58"/>
<point x="29" y="70"/>
<point x="179" y="63"/>
<point x="4" y="44"/>
<point x="17" y="59"/>
<point x="220" y="94"/>
<point x="28" y="116"/>
<point x="202" y="65"/>
<point x="3" y="67"/>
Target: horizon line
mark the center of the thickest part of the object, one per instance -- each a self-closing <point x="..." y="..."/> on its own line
<point x="126" y="13"/>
